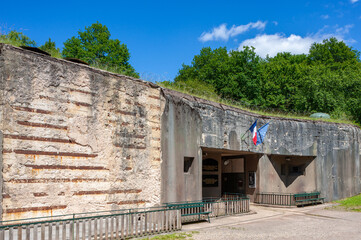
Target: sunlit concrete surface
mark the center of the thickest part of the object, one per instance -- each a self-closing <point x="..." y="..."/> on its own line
<point x="313" y="222"/>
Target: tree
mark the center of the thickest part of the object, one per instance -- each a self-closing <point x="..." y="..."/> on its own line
<point x="51" y="48"/>
<point x="234" y="75"/>
<point x="95" y="47"/>
<point x="331" y="52"/>
<point x="17" y="39"/>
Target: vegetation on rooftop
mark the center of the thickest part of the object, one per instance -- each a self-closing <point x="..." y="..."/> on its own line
<point x="93" y="45"/>
<point x="328" y="80"/>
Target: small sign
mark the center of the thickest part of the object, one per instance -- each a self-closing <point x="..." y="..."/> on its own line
<point x="210" y="181"/>
<point x="210" y="165"/>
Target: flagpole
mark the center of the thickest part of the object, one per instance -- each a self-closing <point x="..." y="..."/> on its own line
<point x="243" y="138"/>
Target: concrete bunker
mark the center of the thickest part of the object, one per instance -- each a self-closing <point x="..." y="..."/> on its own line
<point x="139" y="145"/>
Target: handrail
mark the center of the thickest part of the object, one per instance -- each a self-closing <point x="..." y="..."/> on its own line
<point x="72" y="216"/>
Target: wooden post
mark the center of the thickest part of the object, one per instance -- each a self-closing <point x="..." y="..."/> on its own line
<point x="20" y="231"/>
<point x="89" y="228"/>
<point x="83" y="230"/>
<point x="56" y="232"/>
<point x="27" y="237"/>
<point x="117" y="227"/>
<point x="135" y="224"/>
<point x="77" y="230"/>
<point x="11" y="234"/>
<point x="122" y="227"/>
<point x="95" y="228"/>
<point x="106" y="228"/>
<point x="100" y="228"/>
<point x="50" y="231"/>
<point x="43" y="232"/>
<point x="64" y="230"/>
<point x="146" y="230"/>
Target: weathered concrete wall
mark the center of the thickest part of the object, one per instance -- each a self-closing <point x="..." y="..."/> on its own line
<point x="181" y="131"/>
<point x="335" y="148"/>
<point x="76" y="139"/>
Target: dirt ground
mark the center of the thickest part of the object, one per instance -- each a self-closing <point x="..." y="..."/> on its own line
<point x="312" y="222"/>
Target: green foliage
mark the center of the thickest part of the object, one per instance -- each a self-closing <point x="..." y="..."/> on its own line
<point x="351" y="204"/>
<point x="17" y="39"/>
<point x="332" y="51"/>
<point x="328" y="79"/>
<point x="95" y="47"/>
<point x="233" y="75"/>
<point x="50" y="48"/>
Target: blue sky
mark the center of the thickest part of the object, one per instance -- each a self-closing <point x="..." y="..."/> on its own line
<point x="162" y="35"/>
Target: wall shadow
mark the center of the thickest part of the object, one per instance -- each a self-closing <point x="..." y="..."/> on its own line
<point x="290" y="168"/>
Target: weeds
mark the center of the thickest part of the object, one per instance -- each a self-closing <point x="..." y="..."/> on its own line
<point x="204" y="91"/>
<point x="350" y="204"/>
<point x="173" y="236"/>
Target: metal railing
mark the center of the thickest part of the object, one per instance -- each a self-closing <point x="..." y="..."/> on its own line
<point x="227" y="207"/>
<point x="282" y="199"/>
<point x="216" y="207"/>
<point x="114" y="225"/>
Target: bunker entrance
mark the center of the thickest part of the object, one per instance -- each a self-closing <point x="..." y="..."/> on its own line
<point x="228" y="171"/>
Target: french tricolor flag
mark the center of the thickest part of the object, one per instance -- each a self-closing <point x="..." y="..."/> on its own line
<point x="253" y="130"/>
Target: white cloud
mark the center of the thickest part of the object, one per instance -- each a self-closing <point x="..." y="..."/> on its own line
<point x="344" y="30"/>
<point x="354" y="1"/>
<point x="272" y="44"/>
<point x="222" y="33"/>
<point x="325" y="16"/>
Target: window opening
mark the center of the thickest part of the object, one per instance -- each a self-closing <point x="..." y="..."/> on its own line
<point x="188" y="161"/>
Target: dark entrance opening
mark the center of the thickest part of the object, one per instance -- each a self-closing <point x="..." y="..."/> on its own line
<point x="226" y="171"/>
<point x="233" y="176"/>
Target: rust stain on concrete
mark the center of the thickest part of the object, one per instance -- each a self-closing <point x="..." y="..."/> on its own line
<point x="58" y="180"/>
<point x="44" y="208"/>
<point x="107" y="192"/>
<point x="128" y="202"/>
<point x="64" y="154"/>
<point x="33" y="110"/>
<point x="33" y="138"/>
<point x="40" y="194"/>
<point x="41" y="125"/>
<point x="38" y="167"/>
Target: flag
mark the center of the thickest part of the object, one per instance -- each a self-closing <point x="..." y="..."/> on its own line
<point x="253" y="130"/>
<point x="261" y="133"/>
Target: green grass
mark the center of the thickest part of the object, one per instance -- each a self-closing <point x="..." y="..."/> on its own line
<point x="15" y="43"/>
<point x="10" y="42"/>
<point x="117" y="70"/>
<point x="205" y="92"/>
<point x="350" y="204"/>
<point x="173" y="236"/>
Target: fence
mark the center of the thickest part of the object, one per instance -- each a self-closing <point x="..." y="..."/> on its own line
<point x="282" y="199"/>
<point x="123" y="224"/>
<point x="227" y="207"/>
<point x="215" y="207"/>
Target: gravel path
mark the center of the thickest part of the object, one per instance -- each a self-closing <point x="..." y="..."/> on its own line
<point x="313" y="222"/>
